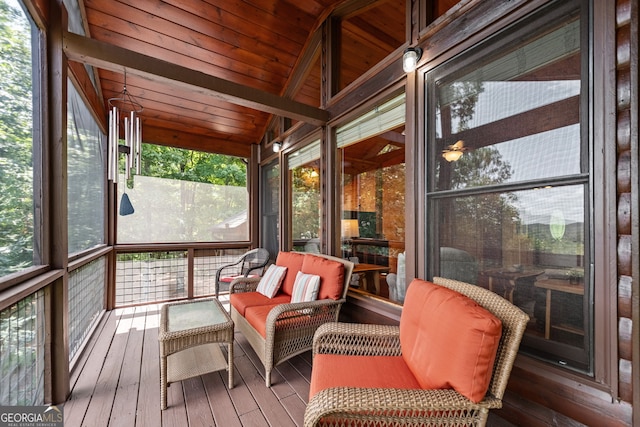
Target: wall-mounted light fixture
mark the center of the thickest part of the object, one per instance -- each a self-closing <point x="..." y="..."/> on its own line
<point x="410" y="59"/>
<point x="453" y="152"/>
<point x="277" y="146"/>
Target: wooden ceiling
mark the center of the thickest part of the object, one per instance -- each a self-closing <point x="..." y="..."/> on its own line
<point x="264" y="51"/>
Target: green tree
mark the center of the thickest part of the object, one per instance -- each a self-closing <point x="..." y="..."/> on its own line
<point x="306" y="203"/>
<point x="16" y="166"/>
<point x="196" y="166"/>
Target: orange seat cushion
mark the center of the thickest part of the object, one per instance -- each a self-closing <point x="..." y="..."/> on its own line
<point x="242" y="300"/>
<point x="291" y="320"/>
<point x="257" y="317"/>
<point x="448" y="340"/>
<point x="293" y="262"/>
<point x="333" y="370"/>
<point x="331" y="275"/>
<point x="229" y="279"/>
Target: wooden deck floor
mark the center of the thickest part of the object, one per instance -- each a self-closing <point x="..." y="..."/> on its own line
<point x="116" y="383"/>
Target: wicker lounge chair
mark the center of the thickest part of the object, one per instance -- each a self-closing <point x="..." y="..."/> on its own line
<point x="338" y="406"/>
<point x="253" y="261"/>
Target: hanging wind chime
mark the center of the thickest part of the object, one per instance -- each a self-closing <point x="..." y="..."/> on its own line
<point x="123" y="111"/>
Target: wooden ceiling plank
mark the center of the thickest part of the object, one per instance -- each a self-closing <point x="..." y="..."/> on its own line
<point x="114" y="58"/>
<point x="179" y="36"/>
<point x="195" y="129"/>
<point x="162" y="136"/>
<point x="179" y="52"/>
<point x="238" y="13"/>
<point x="144" y="89"/>
<point x="151" y="99"/>
<point x="196" y="17"/>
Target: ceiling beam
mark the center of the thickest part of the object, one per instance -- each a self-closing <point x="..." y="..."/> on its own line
<point x="114" y="58"/>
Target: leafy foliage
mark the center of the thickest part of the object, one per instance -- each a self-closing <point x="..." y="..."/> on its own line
<point x="16" y="166"/>
<point x="306" y="203"/>
<point x="196" y="166"/>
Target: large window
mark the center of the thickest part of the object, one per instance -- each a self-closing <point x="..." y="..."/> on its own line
<point x="184" y="196"/>
<point x="509" y="178"/>
<point x="18" y="246"/>
<point x="371" y="150"/>
<point x="306" y="203"/>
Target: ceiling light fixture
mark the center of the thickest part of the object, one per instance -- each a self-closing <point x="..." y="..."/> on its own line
<point x="410" y="59"/>
<point x="453" y="152"/>
<point x="123" y="111"/>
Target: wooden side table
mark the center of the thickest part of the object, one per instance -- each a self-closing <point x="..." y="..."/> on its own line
<point x="560" y="286"/>
<point x="372" y="270"/>
<point x="190" y="336"/>
<point x="509" y="278"/>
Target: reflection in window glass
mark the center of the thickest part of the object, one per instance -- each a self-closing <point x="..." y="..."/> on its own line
<point x="508" y="186"/>
<point x="17" y="237"/>
<point x="306" y="203"/>
<point x="512" y="124"/>
<point x="184" y="196"/>
<point x="271" y="208"/>
<point x="372" y="153"/>
<point x="85" y="166"/>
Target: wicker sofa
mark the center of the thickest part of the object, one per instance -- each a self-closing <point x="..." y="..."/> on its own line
<point x="447" y="363"/>
<point x="278" y="329"/>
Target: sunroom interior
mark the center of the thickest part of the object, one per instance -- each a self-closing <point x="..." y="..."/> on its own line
<point x="292" y="126"/>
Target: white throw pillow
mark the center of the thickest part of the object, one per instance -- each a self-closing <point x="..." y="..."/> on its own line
<point x="305" y="288"/>
<point x="271" y="280"/>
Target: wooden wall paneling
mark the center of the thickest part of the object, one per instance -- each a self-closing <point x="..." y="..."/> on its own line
<point x="628" y="13"/>
<point x="536" y="397"/>
<point x="623" y="131"/>
<point x="623" y="172"/>
<point x="625" y="295"/>
<point x="625" y="331"/>
<point x="625" y="255"/>
<point x="624" y="187"/>
<point x="624" y="213"/>
<point x="625" y="369"/>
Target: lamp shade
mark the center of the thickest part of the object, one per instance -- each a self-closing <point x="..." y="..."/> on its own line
<point x="453" y="152"/>
<point x="350" y="228"/>
<point x="452" y="155"/>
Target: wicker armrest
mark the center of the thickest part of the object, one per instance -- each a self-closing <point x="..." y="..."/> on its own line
<point x="244" y="284"/>
<point x="357" y="339"/>
<point x="391" y="406"/>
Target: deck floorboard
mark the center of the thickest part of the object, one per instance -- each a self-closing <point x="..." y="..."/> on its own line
<point x="116" y="382"/>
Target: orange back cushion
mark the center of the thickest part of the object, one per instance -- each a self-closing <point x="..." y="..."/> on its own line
<point x="293" y="262"/>
<point x="331" y="275"/>
<point x="448" y="340"/>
